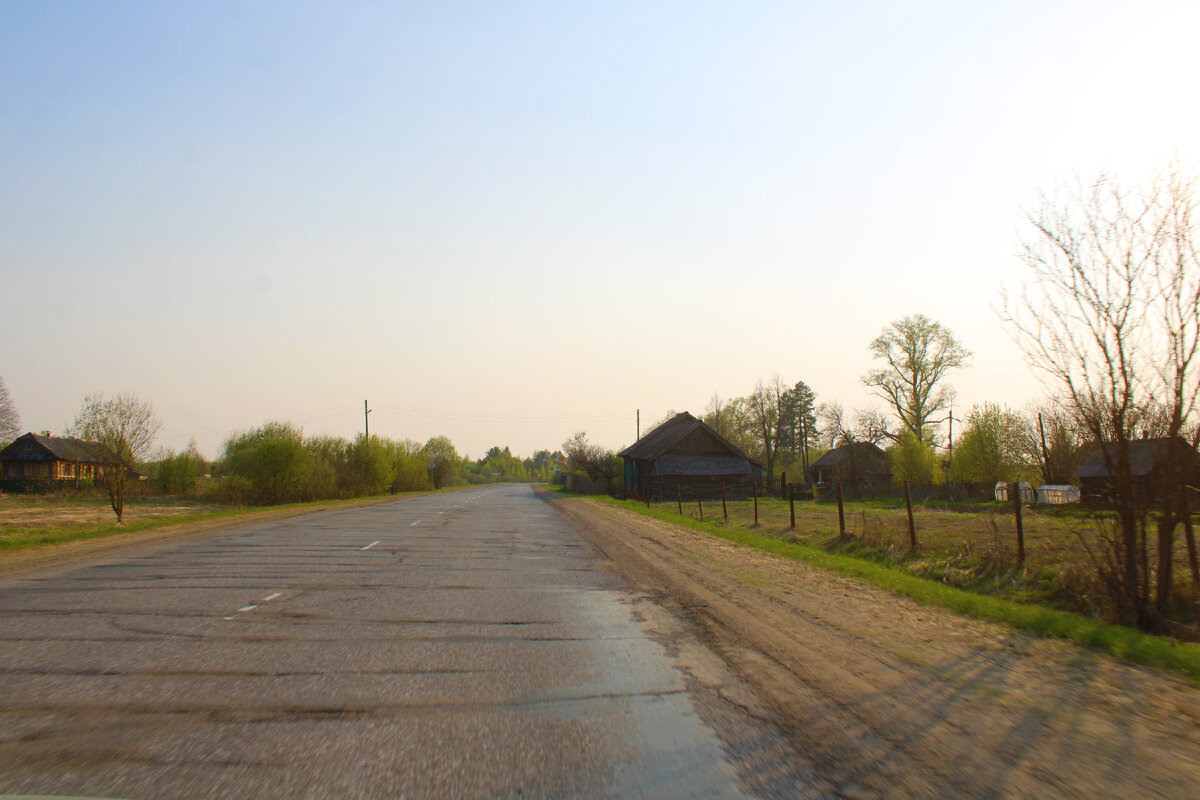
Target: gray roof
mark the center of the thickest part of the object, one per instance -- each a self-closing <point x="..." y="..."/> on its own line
<point x="702" y="465"/>
<point x="35" y="447"/>
<point x="841" y="454"/>
<point x="1144" y="457"/>
<point x="658" y="441"/>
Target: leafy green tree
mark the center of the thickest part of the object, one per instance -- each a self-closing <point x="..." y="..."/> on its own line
<point x="412" y="472"/>
<point x="373" y="466"/>
<point x="331" y="474"/>
<point x="913" y="460"/>
<point x="439" y="451"/>
<point x="918" y="353"/>
<point x="273" y="459"/>
<point x="991" y="447"/>
<point x="592" y="460"/>
<point x="176" y="473"/>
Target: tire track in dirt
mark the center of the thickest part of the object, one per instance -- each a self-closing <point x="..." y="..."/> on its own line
<point x="889" y="698"/>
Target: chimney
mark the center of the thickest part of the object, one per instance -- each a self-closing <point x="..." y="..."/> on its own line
<point x="46" y="434"/>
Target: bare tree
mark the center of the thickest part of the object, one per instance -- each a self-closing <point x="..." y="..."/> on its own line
<point x="1052" y="438"/>
<point x="10" y="420"/>
<point x="765" y="404"/>
<point x="919" y="353"/>
<point x="125" y="426"/>
<point x="871" y="425"/>
<point x="866" y="425"/>
<point x="1113" y="321"/>
<point x="716" y="415"/>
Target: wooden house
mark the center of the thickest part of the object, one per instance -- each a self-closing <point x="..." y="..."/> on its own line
<point x="1149" y="459"/>
<point x="858" y="466"/>
<point x="685" y="457"/>
<point x="41" y="460"/>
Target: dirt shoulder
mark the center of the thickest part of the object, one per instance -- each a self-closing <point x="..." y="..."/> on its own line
<point x="885" y="697"/>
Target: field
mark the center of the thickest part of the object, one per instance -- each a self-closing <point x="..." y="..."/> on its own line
<point x="968" y="545"/>
<point x="37" y="520"/>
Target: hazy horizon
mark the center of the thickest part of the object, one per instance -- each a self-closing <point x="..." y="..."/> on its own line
<point x="508" y="224"/>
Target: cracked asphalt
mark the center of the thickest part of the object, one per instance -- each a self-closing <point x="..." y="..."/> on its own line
<point x="462" y="644"/>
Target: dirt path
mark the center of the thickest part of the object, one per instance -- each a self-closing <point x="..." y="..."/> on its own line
<point x="889" y="698"/>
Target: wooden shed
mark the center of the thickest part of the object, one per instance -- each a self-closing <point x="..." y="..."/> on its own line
<point x="858" y="466"/>
<point x="1148" y="461"/>
<point x="685" y="455"/>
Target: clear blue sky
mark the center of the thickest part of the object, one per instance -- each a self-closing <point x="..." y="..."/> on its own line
<point x="505" y="222"/>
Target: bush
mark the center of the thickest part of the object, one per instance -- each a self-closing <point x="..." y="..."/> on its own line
<point x="273" y="459"/>
<point x="914" y="461"/>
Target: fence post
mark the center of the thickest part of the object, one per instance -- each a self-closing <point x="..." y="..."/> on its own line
<point x="724" y="511"/>
<point x="792" y="503"/>
<point x="841" y="511"/>
<point x="755" y="502"/>
<point x="1015" y="490"/>
<point x="700" y="502"/>
<point x="782" y="485"/>
<point x="912" y="528"/>
<point x="679" y="498"/>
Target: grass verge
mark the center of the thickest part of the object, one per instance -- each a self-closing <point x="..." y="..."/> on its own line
<point x="24" y="539"/>
<point x="1128" y="644"/>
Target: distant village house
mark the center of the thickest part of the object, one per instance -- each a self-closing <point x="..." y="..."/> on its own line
<point x="685" y="457"/>
<point x="1149" y="459"/>
<point x="41" y="460"/>
<point x="858" y="467"/>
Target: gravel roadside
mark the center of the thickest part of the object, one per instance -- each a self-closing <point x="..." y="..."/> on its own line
<point x="886" y="697"/>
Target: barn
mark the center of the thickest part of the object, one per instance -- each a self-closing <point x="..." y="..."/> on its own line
<point x="686" y="456"/>
<point x="1149" y="459"/>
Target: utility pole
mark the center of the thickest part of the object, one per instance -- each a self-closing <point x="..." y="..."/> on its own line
<point x="366" y="421"/>
<point x="639" y="425"/>
<point x="951" y="439"/>
<point x="1045" y="452"/>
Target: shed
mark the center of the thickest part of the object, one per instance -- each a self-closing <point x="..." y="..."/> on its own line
<point x="686" y="455"/>
<point x="1149" y="460"/>
<point x="857" y="466"/>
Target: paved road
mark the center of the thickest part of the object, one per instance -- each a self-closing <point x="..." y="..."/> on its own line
<point x="454" y="645"/>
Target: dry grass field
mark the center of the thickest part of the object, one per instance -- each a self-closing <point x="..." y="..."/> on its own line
<point x="36" y="520"/>
<point x="972" y="545"/>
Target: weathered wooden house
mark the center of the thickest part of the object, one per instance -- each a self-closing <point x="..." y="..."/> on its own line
<point x="858" y="466"/>
<point x="1149" y="460"/>
<point x="686" y="456"/>
<point x="40" y="460"/>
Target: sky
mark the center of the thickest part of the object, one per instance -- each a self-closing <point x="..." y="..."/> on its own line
<point x="507" y="222"/>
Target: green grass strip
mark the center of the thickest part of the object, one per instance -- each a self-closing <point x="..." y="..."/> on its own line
<point x="1182" y="658"/>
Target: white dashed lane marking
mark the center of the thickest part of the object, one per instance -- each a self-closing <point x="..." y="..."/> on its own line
<point x="271" y="597"/>
<point x="415" y="524"/>
<point x="368" y="547"/>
